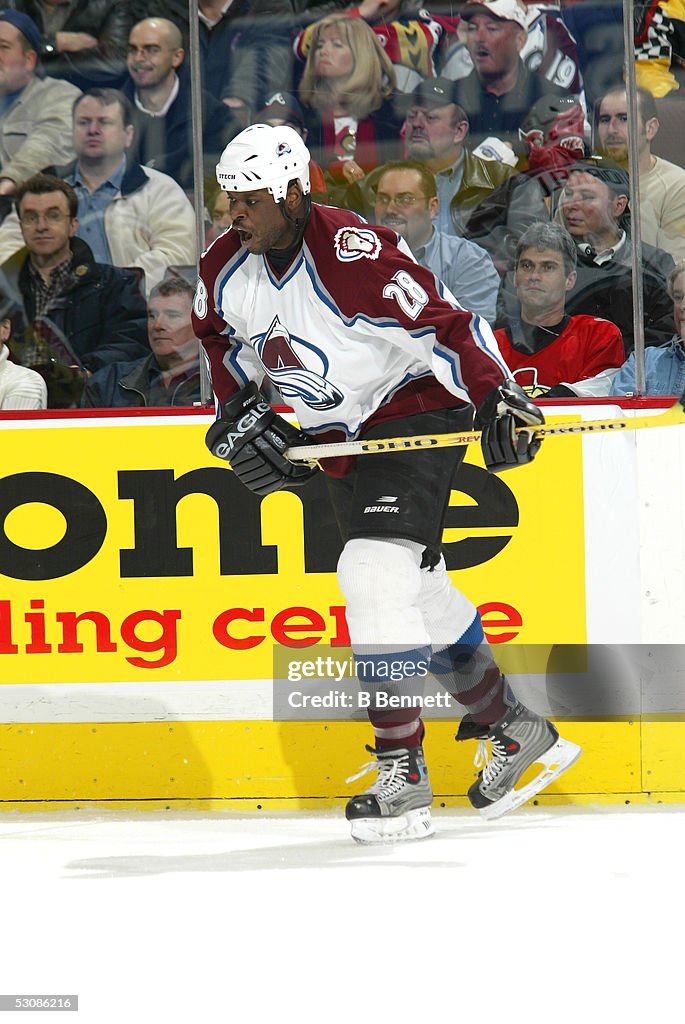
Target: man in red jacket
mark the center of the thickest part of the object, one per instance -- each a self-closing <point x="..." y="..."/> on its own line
<point x="550" y="353"/>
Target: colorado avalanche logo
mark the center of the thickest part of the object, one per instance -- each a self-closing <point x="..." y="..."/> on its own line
<point x="278" y="352"/>
<point x="356" y="244"/>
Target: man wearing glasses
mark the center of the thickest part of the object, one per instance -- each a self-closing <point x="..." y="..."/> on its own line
<point x="76" y="315"/>
<point x="407" y="201"/>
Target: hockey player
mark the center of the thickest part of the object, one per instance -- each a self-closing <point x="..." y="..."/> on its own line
<point x="354" y="333"/>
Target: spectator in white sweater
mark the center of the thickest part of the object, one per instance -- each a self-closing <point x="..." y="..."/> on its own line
<point x="20" y="388"/>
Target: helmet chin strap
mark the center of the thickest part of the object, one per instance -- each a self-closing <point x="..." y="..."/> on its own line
<point x="297" y="222"/>
<point x="280" y="258"/>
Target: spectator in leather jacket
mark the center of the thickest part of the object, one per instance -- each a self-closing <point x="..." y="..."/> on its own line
<point x="83" y="42"/>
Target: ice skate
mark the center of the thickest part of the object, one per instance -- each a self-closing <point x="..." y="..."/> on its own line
<point x="518" y="740"/>
<point x="397" y="806"/>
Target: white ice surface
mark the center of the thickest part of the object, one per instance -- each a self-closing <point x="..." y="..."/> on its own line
<point x="545" y="916"/>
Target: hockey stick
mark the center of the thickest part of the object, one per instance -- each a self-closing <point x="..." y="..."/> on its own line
<point x="309" y="452"/>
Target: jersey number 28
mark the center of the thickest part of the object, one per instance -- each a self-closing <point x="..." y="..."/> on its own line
<point x="410" y="296"/>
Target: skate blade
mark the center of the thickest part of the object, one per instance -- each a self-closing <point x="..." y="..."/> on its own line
<point x="556" y="761"/>
<point x="416" y="824"/>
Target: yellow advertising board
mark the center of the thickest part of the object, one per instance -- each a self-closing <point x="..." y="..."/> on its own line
<point x="132" y="563"/>
<point x="128" y="553"/>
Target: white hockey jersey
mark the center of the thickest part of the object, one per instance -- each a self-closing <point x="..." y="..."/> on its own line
<point x="353" y="326"/>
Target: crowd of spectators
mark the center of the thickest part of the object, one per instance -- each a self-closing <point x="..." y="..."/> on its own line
<point x="477" y="130"/>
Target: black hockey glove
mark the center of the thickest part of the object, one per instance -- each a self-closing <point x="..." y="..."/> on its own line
<point x="504" y="409"/>
<point x="252" y="437"/>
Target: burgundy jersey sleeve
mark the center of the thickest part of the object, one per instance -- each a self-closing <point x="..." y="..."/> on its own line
<point x="370" y="275"/>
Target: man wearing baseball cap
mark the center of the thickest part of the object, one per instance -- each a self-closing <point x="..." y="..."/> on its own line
<point x="35" y="113"/>
<point x="500" y="90"/>
<point x="436" y="133"/>
<point x="283" y="108"/>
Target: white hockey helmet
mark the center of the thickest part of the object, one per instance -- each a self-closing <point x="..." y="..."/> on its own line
<point x="264" y="156"/>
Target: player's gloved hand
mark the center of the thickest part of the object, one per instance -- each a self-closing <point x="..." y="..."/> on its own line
<point x="498" y="416"/>
<point x="252" y="437"/>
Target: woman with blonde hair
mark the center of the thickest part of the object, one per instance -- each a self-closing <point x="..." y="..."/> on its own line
<point x="347" y="89"/>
